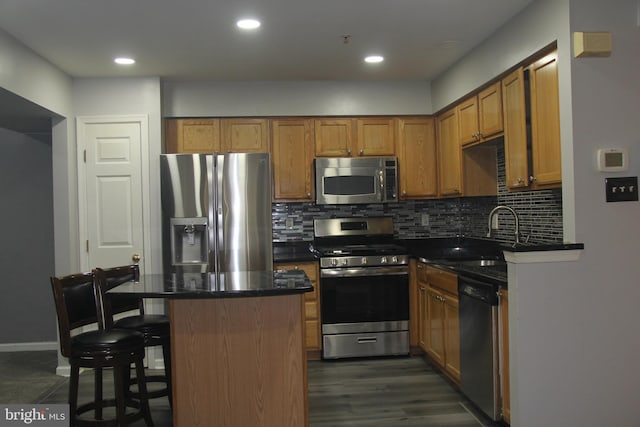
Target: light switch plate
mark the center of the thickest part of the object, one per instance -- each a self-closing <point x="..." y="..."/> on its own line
<point x="623" y="189"/>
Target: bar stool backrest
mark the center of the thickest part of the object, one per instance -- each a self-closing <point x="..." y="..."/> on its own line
<point x="108" y="278"/>
<point x="77" y="305"/>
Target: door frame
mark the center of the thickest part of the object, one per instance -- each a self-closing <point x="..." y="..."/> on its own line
<point x="81" y="123"/>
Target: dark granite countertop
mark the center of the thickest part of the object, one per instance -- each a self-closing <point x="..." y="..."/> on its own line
<point x="537" y="247"/>
<point x="242" y="284"/>
<point x="292" y="252"/>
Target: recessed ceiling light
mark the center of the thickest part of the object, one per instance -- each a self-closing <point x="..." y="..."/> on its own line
<point x="248" y="24"/>
<point x="372" y="59"/>
<point x="124" y="61"/>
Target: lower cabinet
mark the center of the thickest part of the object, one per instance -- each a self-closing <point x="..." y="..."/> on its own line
<point x="313" y="337"/>
<point x="438" y="318"/>
<point x="504" y="355"/>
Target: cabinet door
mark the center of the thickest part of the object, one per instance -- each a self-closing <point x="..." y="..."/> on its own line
<point x="504" y="355"/>
<point x="545" y="121"/>
<point x="515" y="130"/>
<point x="417" y="153"/>
<point x="435" y="326"/>
<point x="451" y="336"/>
<point x="333" y="137"/>
<point x="292" y="156"/>
<point x="311" y="303"/>
<point x="490" y="111"/>
<point x="449" y="154"/>
<point x="376" y="137"/>
<point x="192" y="135"/>
<point x="423" y="337"/>
<point x="468" y="116"/>
<point x="245" y="135"/>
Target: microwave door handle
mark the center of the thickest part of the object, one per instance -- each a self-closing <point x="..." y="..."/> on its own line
<point x="381" y="178"/>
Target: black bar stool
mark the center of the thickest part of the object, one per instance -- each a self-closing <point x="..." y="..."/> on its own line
<point x="154" y="327"/>
<point x="78" y="304"/>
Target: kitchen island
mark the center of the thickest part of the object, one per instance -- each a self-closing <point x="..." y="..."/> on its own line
<point x="237" y="346"/>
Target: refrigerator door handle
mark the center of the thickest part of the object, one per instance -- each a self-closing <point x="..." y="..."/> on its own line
<point x="213" y="227"/>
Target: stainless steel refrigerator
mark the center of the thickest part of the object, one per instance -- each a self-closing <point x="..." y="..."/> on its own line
<point x="216" y="212"/>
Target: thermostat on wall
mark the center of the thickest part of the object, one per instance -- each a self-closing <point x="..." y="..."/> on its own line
<point x="612" y="159"/>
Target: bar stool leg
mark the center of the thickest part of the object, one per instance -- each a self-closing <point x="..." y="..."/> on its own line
<point x="73" y="391"/>
<point x="166" y="355"/>
<point x="142" y="388"/>
<point x="120" y="391"/>
<point x="98" y="398"/>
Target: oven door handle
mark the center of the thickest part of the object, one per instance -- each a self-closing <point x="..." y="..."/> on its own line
<point x="364" y="271"/>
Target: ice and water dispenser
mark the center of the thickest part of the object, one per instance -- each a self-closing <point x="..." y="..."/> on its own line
<point x="189" y="241"/>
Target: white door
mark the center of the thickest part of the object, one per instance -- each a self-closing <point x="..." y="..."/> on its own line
<point x="110" y="185"/>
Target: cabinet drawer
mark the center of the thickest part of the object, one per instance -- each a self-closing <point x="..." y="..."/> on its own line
<point x="443" y="279"/>
<point x="311" y="310"/>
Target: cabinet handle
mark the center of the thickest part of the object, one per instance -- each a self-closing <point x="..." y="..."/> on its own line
<point x="349" y="152"/>
<point x="308" y="194"/>
<point x="532" y="178"/>
<point x="520" y="181"/>
<point x="362" y="152"/>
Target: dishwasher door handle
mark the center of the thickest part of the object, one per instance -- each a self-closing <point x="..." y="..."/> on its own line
<point x="367" y="340"/>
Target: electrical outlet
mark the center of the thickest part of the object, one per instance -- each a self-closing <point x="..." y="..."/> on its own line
<point x="494" y="222"/>
<point x="288" y="223"/>
<point x="424" y="220"/>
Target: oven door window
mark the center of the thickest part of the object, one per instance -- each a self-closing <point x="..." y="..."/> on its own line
<point x="364" y="299"/>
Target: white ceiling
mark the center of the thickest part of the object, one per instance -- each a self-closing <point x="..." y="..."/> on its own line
<point x="298" y="40"/>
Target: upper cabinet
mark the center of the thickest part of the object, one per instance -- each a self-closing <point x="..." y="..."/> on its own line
<point x="481" y="116"/>
<point x="417" y="157"/>
<point x="292" y="157"/>
<point x="545" y="123"/>
<point x="245" y="135"/>
<point x="192" y="135"/>
<point x="515" y="130"/>
<point x="376" y="137"/>
<point x="354" y="137"/>
<point x="217" y="135"/>
<point x="532" y="158"/>
<point x="449" y="154"/>
<point x="333" y="137"/>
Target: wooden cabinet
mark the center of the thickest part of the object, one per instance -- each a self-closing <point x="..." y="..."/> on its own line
<point x="192" y="135"/>
<point x="545" y="122"/>
<point x="438" y="318"/>
<point x="333" y="137"/>
<point x="515" y="130"/>
<point x="375" y="137"/>
<point x="417" y="157"/>
<point x="292" y="157"/>
<point x="532" y="161"/>
<point x="355" y="137"/>
<point x="313" y="337"/>
<point x="245" y="135"/>
<point x="449" y="154"/>
<point x="217" y="135"/>
<point x="481" y="116"/>
<point x="504" y="355"/>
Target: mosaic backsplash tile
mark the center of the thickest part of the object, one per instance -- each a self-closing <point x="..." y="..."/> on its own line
<point x="540" y="214"/>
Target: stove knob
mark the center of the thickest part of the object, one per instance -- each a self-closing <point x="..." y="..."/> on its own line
<point x="334" y="262"/>
<point x="363" y="261"/>
<point x="394" y="259"/>
<point x="345" y="261"/>
<point x="383" y="260"/>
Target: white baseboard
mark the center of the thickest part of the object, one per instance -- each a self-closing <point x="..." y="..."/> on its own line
<point x="29" y="346"/>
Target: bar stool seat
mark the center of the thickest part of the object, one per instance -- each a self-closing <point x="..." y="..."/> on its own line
<point x="154" y="327"/>
<point x="78" y="305"/>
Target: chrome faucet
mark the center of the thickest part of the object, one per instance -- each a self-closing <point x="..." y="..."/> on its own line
<point x="515" y="215"/>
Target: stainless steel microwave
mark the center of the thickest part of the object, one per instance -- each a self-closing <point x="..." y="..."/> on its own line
<point x="354" y="180"/>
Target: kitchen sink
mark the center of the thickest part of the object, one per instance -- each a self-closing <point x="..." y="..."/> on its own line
<point x="483" y="263"/>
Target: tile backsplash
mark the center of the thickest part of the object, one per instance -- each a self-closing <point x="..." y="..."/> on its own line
<point x="540" y="215"/>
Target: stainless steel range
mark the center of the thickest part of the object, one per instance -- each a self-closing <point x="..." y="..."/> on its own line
<point x="364" y="288"/>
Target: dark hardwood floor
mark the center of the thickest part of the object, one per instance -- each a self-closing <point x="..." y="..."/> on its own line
<point x="377" y="392"/>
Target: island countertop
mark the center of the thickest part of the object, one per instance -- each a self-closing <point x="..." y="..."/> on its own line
<point x="240" y="284"/>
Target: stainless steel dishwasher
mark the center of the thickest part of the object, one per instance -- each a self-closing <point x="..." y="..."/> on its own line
<point x="478" y="311"/>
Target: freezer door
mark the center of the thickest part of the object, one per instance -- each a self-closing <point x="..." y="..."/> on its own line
<point x="243" y="212"/>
